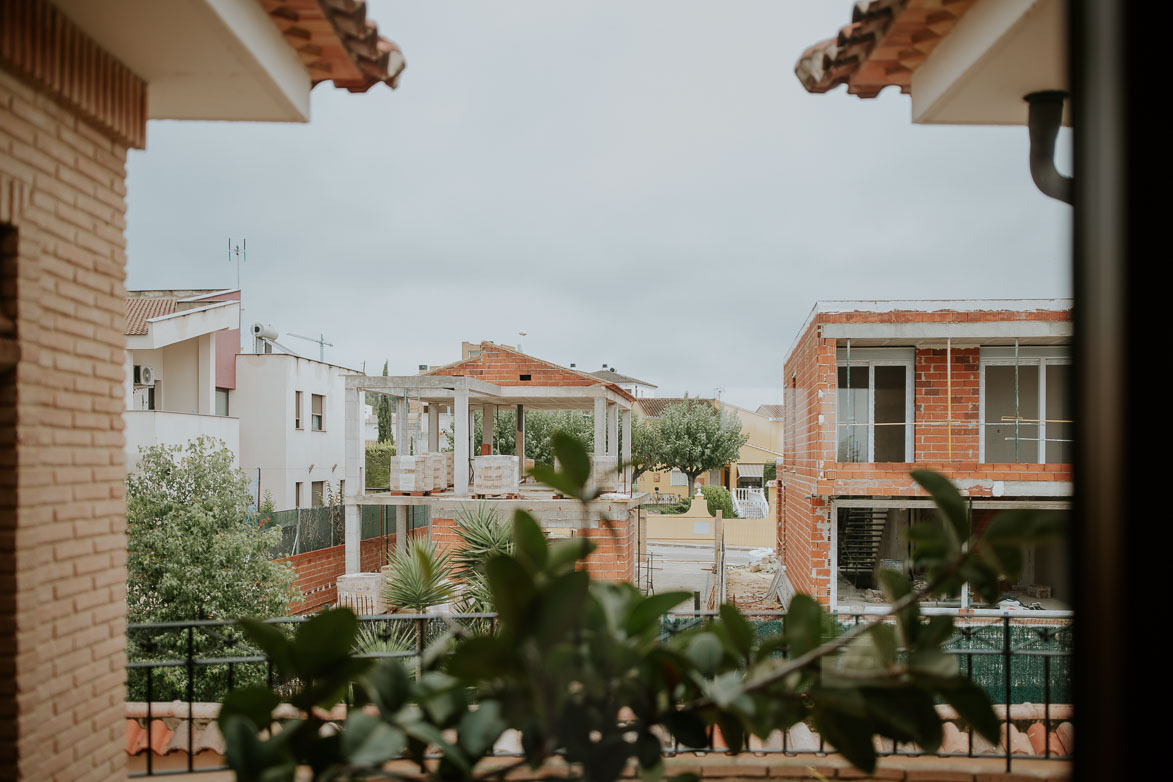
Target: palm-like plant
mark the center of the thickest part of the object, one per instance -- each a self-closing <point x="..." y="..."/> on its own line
<point x="482" y="535"/>
<point x="419" y="577"/>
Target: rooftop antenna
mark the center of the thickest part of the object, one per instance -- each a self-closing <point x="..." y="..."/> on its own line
<point x="320" y="339"/>
<point x="238" y="255"/>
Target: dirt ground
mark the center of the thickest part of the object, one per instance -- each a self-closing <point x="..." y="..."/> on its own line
<point x="746" y="589"/>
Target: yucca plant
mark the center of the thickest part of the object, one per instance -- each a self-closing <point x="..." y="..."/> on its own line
<point x="386" y="637"/>
<point x="419" y="577"/>
<point x="482" y="535"/>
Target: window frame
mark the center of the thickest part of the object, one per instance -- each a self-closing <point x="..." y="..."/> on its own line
<point x="1035" y="356"/>
<point x="880" y="357"/>
<point x="321" y="417"/>
<point x="297" y="404"/>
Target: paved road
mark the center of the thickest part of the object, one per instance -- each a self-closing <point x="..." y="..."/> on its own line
<point x="685" y="567"/>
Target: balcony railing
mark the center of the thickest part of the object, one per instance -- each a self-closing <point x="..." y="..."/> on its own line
<point x="183" y="669"/>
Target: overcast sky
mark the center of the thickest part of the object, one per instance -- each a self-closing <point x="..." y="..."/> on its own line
<point x="639" y="184"/>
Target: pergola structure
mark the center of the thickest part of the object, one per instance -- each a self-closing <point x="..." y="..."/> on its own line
<point x="496" y="378"/>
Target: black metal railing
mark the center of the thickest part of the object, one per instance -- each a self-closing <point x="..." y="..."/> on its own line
<point x="180" y="670"/>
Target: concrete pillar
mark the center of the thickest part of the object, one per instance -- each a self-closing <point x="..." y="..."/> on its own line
<point x="612" y="429"/>
<point x="625" y="451"/>
<point x="206" y="375"/>
<point x="401" y="528"/>
<point x="461" y="425"/>
<point x="519" y="442"/>
<point x="351" y="524"/>
<point x="355" y="465"/>
<point x="600" y="425"/>
<point x="486" y="428"/>
<point x="402" y="446"/>
<point x="433" y="427"/>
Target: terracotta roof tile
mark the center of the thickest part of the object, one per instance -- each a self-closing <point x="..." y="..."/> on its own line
<point x="886" y="41"/>
<point x="138" y="311"/>
<point x="653" y="408"/>
<point x="337" y="43"/>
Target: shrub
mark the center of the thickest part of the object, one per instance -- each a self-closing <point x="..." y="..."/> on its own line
<point x="379" y="464"/>
<point x="482" y="535"/>
<point x="419" y="577"/>
<point x="719" y="499"/>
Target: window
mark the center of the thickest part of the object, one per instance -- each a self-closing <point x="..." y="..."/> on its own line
<point x="317" y="403"/>
<point x="1025" y="413"/>
<point x="297" y="410"/>
<point x="317" y="489"/>
<point x="221" y="401"/>
<point x="677" y="478"/>
<point x="297" y="494"/>
<point x="874" y="405"/>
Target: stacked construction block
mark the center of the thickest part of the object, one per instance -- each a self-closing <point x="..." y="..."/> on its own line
<point x="411" y="473"/>
<point x="494" y="474"/>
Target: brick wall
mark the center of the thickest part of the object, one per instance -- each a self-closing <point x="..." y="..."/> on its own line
<point x="318" y="571"/>
<point x="504" y="367"/>
<point x="811" y="477"/>
<point x="62" y="526"/>
<point x="612" y="560"/>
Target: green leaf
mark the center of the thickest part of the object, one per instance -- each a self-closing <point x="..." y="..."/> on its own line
<point x="647" y="612"/>
<point x="430" y="735"/>
<point x="705" y="652"/>
<point x="560" y="605"/>
<point x="568" y="551"/>
<point x="884" y="639"/>
<point x="513" y="591"/>
<point x="687" y="776"/>
<point x="726" y="688"/>
<point x="483" y="657"/>
<point x="905" y="715"/>
<point x="442" y="697"/>
<point x="274" y="643"/>
<point x="973" y="704"/>
<point x="937" y="631"/>
<point x="528" y="541"/>
<point x="949" y="501"/>
<point x="803" y="625"/>
<point x="688" y="728"/>
<point x="368" y="741"/>
<point x="573" y="458"/>
<point x="647" y="751"/>
<point x="558" y="481"/>
<point x="388" y="685"/>
<point x="480" y="728"/>
<point x="255" y="703"/>
<point x="1023" y="527"/>
<point x="324" y="640"/>
<point x="737" y="629"/>
<point x="732" y="731"/>
<point x="849" y="734"/>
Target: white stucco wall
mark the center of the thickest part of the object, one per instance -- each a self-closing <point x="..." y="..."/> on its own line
<point x="270" y="447"/>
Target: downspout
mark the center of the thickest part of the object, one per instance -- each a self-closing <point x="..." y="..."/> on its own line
<point x="1044" y="116"/>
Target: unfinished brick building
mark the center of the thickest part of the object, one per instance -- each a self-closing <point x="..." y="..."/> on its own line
<point x="977" y="390"/>
<point x="496" y="378"/>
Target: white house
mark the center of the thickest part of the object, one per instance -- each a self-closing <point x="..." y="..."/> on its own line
<point x="292" y="438"/>
<point x="180" y="368"/>
<point x="640" y="389"/>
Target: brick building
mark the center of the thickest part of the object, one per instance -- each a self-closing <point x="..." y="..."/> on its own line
<point x="977" y="390"/>
<point x="78" y="82"/>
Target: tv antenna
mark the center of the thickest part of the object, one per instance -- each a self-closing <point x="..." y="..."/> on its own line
<point x="320" y="340"/>
<point x="238" y="255"/>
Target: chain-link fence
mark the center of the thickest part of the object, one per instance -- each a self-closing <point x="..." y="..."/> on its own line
<point x="310" y="529"/>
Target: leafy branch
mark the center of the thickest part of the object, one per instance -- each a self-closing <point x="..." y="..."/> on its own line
<point x="580" y="668"/>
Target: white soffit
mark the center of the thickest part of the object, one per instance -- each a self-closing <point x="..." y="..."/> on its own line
<point x="998" y="52"/>
<point x="186" y="324"/>
<point x="201" y="59"/>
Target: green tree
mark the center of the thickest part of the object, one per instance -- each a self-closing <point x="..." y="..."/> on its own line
<point x="696" y="438"/>
<point x="647" y="449"/>
<point x="383" y="413"/>
<point x="194" y="550"/>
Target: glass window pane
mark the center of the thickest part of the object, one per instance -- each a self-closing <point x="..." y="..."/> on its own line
<point x="1060" y="430"/>
<point x="1012" y="413"/>
<point x="890" y="411"/>
<point x="854" y="414"/>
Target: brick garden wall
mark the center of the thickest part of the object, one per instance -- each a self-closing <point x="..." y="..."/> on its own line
<point x="318" y="571"/>
<point x="66" y="109"/>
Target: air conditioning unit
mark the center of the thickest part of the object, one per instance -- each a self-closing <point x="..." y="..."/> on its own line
<point x="144" y="375"/>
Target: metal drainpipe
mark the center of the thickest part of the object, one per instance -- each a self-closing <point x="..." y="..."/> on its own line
<point x="1044" y="115"/>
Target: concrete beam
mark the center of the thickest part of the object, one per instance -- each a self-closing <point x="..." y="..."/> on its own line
<point x="625" y="450"/>
<point x="1049" y="331"/>
<point x="488" y="413"/>
<point x="433" y="427"/>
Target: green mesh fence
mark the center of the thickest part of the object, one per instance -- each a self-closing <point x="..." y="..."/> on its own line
<point x="311" y="529"/>
<point x="1038" y="653"/>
